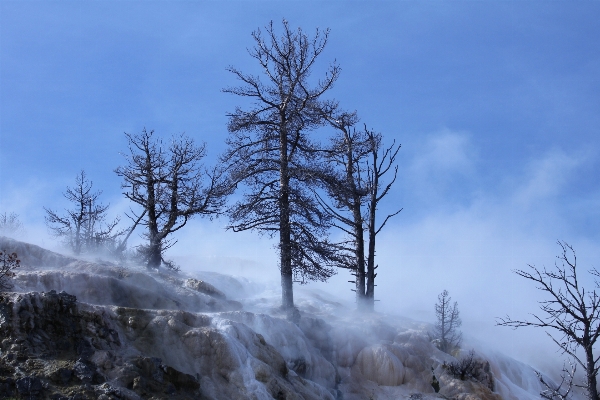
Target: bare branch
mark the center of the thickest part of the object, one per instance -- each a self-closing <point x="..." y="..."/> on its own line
<point x="171" y="185"/>
<point x="571" y="311"/>
<point x="271" y="155"/>
<point x="84" y="227"/>
<point x="8" y="263"/>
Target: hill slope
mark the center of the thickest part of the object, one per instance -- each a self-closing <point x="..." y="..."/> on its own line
<point x="76" y="329"/>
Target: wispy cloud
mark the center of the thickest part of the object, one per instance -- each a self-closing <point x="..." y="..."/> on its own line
<point x="546" y="176"/>
<point x="439" y="167"/>
<point x="443" y="153"/>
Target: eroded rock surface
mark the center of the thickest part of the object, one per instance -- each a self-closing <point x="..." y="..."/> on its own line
<point x="76" y="329"/>
<point x="55" y="348"/>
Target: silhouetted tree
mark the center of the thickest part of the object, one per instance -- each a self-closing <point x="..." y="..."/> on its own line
<point x="571" y="311"/>
<point x="445" y="331"/>
<point x="346" y="183"/>
<point x="171" y="186"/>
<point x="562" y="390"/>
<point x="272" y="154"/>
<point x="84" y="227"/>
<point x="352" y="179"/>
<point x="122" y="246"/>
<point x="8" y="263"/>
<point x="382" y="160"/>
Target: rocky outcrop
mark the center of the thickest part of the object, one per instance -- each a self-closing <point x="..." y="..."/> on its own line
<point x="378" y="364"/>
<point x="204" y="287"/>
<point x="54" y="349"/>
<point x="57" y="348"/>
<point x="118" y="286"/>
<point x="32" y="255"/>
<point x="97" y="330"/>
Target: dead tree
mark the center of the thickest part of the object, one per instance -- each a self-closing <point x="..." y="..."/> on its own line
<point x="170" y="185"/>
<point x="571" y="311"/>
<point x="8" y="263"/>
<point x="382" y="161"/>
<point x="345" y="182"/>
<point x="122" y="246"/>
<point x="445" y="331"/>
<point x="273" y="157"/>
<point x="84" y="227"/>
<point x="352" y="180"/>
<point x="561" y="391"/>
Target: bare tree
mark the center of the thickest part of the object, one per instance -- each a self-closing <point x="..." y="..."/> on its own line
<point x="352" y="179"/>
<point x="84" y="227"/>
<point x="382" y="161"/>
<point x="561" y="391"/>
<point x="122" y="246"/>
<point x="8" y="263"/>
<point x="10" y="224"/>
<point x="171" y="186"/>
<point x="571" y="311"/>
<point x="445" y="331"/>
<point x="345" y="181"/>
<point x="272" y="154"/>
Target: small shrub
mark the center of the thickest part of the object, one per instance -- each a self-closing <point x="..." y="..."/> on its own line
<point x="469" y="367"/>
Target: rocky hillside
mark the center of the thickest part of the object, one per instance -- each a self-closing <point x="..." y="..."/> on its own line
<point x="74" y="329"/>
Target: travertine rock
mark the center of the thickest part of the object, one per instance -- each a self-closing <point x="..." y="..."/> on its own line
<point x="76" y="329"/>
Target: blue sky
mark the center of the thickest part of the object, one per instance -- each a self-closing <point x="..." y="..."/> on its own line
<point x="496" y="105"/>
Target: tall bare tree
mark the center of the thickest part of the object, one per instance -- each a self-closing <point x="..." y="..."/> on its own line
<point x="355" y="165"/>
<point x="571" y="311"/>
<point x="445" y="330"/>
<point x="84" y="227"/>
<point x="8" y="263"/>
<point x="274" y="157"/>
<point x="345" y="181"/>
<point x="170" y="185"/>
<point x="383" y="160"/>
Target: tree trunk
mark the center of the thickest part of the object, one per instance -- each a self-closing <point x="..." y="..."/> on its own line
<point x="370" y="296"/>
<point x="591" y="376"/>
<point x="443" y="343"/>
<point x="78" y="223"/>
<point x="285" y="251"/>
<point x="78" y="238"/>
<point x="154" y="249"/>
<point x="89" y="237"/>
<point x="287" y="291"/>
<point x="359" y="248"/>
<point x="154" y="252"/>
<point x="360" y="256"/>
